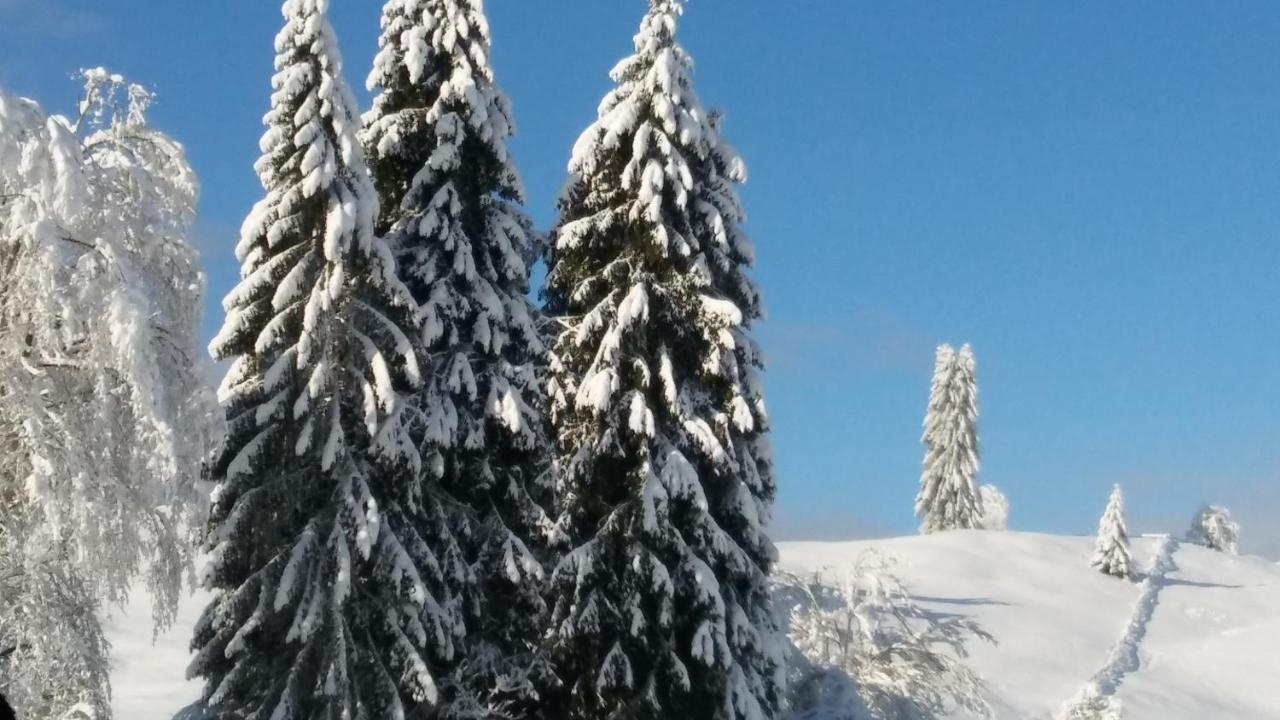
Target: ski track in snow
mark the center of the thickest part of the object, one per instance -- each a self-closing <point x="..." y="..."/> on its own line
<point x="1095" y="699"/>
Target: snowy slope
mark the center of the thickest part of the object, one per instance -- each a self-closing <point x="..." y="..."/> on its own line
<point x="1202" y="641"/>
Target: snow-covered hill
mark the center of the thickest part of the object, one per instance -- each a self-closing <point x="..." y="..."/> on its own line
<point x="1200" y="639"/>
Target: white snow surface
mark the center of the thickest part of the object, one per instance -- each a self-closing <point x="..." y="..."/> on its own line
<point x="1207" y="649"/>
<point x="149" y="679"/>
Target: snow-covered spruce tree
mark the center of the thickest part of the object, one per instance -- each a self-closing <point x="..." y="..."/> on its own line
<point x="331" y="599"/>
<point x="661" y="606"/>
<point x="436" y="141"/>
<point x="1111" y="551"/>
<point x="948" y="498"/>
<point x="104" y="413"/>
<point x="1214" y="529"/>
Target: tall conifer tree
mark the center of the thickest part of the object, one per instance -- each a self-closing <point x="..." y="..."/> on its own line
<point x="661" y="605"/>
<point x="949" y="498"/>
<point x="329" y="600"/>
<point x="436" y="140"/>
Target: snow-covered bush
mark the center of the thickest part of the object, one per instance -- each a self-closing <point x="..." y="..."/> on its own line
<point x="1214" y="528"/>
<point x="1092" y="705"/>
<point x="863" y="631"/>
<point x="995" y="508"/>
<point x="105" y="415"/>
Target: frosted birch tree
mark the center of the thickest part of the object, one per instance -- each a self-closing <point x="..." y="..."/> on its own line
<point x="949" y="498"/>
<point x="332" y="599"/>
<point x="1111" y="550"/>
<point x="861" y="640"/>
<point x="436" y="140"/>
<point x="105" y="416"/>
<point x="661" y="603"/>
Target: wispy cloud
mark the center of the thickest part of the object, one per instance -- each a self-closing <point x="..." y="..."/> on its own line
<point x="55" y="19"/>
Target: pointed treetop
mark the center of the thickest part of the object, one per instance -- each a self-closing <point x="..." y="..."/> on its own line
<point x="432" y="74"/>
<point x="311" y="130"/>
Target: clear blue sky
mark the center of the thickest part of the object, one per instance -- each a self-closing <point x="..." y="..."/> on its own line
<point x="1088" y="192"/>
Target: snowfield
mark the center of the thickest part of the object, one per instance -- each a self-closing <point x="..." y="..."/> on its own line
<point x="1205" y="642"/>
<point x="1197" y="640"/>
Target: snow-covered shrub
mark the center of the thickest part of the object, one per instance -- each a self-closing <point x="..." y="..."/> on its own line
<point x="1092" y="705"/>
<point x="1214" y="528"/>
<point x="995" y="508"/>
<point x="105" y="415"/>
<point x="905" y="662"/>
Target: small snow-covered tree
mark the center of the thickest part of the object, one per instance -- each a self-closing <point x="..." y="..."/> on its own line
<point x="905" y="662"/>
<point x="995" y="508"/>
<point x="436" y="140"/>
<point x="332" y="597"/>
<point x="1091" y="704"/>
<point x="1214" y="529"/>
<point x="948" y="498"/>
<point x="1111" y="551"/>
<point x="105" y="416"/>
<point x="661" y="604"/>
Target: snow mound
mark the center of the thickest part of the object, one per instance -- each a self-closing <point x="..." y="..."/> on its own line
<point x="1196" y="640"/>
<point x="1210" y="626"/>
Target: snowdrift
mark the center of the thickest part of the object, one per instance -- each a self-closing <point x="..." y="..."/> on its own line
<point x="1198" y="638"/>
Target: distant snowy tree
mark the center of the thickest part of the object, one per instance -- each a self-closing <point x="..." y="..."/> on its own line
<point x="1214" y="528"/>
<point x="1111" y="551"/>
<point x="436" y="140"/>
<point x="1093" y="705"/>
<point x="661" y="606"/>
<point x="105" y="416"/>
<point x="995" y="508"/>
<point x="905" y="662"/>
<point x="333" y="599"/>
<point x="949" y="497"/>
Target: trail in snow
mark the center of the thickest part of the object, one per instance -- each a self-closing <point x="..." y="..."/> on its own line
<point x="1096" y="700"/>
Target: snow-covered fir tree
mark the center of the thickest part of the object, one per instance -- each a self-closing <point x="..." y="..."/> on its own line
<point x="948" y="498"/>
<point x="1111" y="550"/>
<point x="436" y="141"/>
<point x="332" y="597"/>
<point x="104" y="412"/>
<point x="661" y="605"/>
<point x="1214" y="529"/>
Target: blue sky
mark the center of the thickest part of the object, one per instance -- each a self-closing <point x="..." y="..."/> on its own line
<point x="1087" y="192"/>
